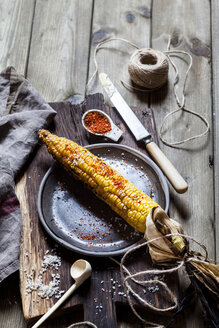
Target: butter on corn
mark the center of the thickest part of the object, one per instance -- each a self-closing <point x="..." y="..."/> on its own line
<point x="121" y="195"/>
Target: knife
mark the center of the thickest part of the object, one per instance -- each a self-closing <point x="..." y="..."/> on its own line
<point x="140" y="133"/>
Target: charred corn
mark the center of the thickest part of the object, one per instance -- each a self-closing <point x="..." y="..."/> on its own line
<point x="121" y="195"/>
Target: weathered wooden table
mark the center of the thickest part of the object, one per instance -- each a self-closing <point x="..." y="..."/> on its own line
<point x="51" y="42"/>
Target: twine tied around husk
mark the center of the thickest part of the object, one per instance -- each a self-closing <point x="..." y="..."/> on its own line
<point x="148" y="68"/>
<point x="169" y="246"/>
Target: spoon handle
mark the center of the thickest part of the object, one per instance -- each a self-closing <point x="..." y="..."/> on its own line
<point x="56" y="305"/>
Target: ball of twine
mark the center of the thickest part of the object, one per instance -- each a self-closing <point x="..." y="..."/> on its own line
<point x="148" y="68"/>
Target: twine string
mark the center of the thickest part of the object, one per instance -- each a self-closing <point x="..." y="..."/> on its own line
<point x="132" y="276"/>
<point x="181" y="104"/>
<point x="97" y="48"/>
<point x="128" y="276"/>
<point x="176" y="80"/>
<point x="150" y="75"/>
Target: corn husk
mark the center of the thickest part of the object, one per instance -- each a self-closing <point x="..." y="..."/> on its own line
<point x="164" y="249"/>
<point x="168" y="249"/>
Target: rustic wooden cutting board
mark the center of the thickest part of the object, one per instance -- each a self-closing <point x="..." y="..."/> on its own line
<point x="98" y="295"/>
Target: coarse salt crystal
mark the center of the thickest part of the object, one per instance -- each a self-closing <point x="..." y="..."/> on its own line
<point x="52" y="289"/>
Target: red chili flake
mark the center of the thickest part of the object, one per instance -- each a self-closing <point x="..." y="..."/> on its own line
<point x="97" y="123"/>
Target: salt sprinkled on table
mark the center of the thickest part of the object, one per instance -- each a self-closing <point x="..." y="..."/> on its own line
<point x="50" y="262"/>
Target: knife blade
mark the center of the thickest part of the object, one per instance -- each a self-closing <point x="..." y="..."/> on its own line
<point x="140" y="133"/>
<point x="123" y="108"/>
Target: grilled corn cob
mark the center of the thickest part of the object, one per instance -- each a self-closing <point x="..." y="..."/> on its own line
<point x="121" y="195"/>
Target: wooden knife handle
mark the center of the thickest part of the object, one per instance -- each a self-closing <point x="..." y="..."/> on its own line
<point x="177" y="181"/>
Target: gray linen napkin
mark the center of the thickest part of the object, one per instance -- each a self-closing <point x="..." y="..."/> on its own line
<point x="22" y="113"/>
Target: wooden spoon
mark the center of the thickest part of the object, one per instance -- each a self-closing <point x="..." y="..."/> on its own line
<point x="80" y="271"/>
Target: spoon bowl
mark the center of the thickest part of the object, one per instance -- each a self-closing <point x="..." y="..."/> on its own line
<point x="80" y="270"/>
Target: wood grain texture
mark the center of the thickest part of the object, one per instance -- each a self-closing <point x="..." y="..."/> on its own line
<point x="59" y="48"/>
<point x="58" y="58"/>
<point x="215" y="76"/>
<point x="188" y="23"/>
<point x="99" y="290"/>
<point x="126" y="19"/>
<point x="15" y="31"/>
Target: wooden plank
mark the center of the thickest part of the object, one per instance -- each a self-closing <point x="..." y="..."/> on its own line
<point x="125" y="19"/>
<point x="129" y="20"/>
<point x="59" y="49"/>
<point x="58" y="61"/>
<point x="14" y="42"/>
<point x="132" y="21"/>
<point x="118" y="19"/>
<point x="215" y="76"/>
<point x="14" y="33"/>
<point x="188" y="23"/>
<point x="10" y="303"/>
